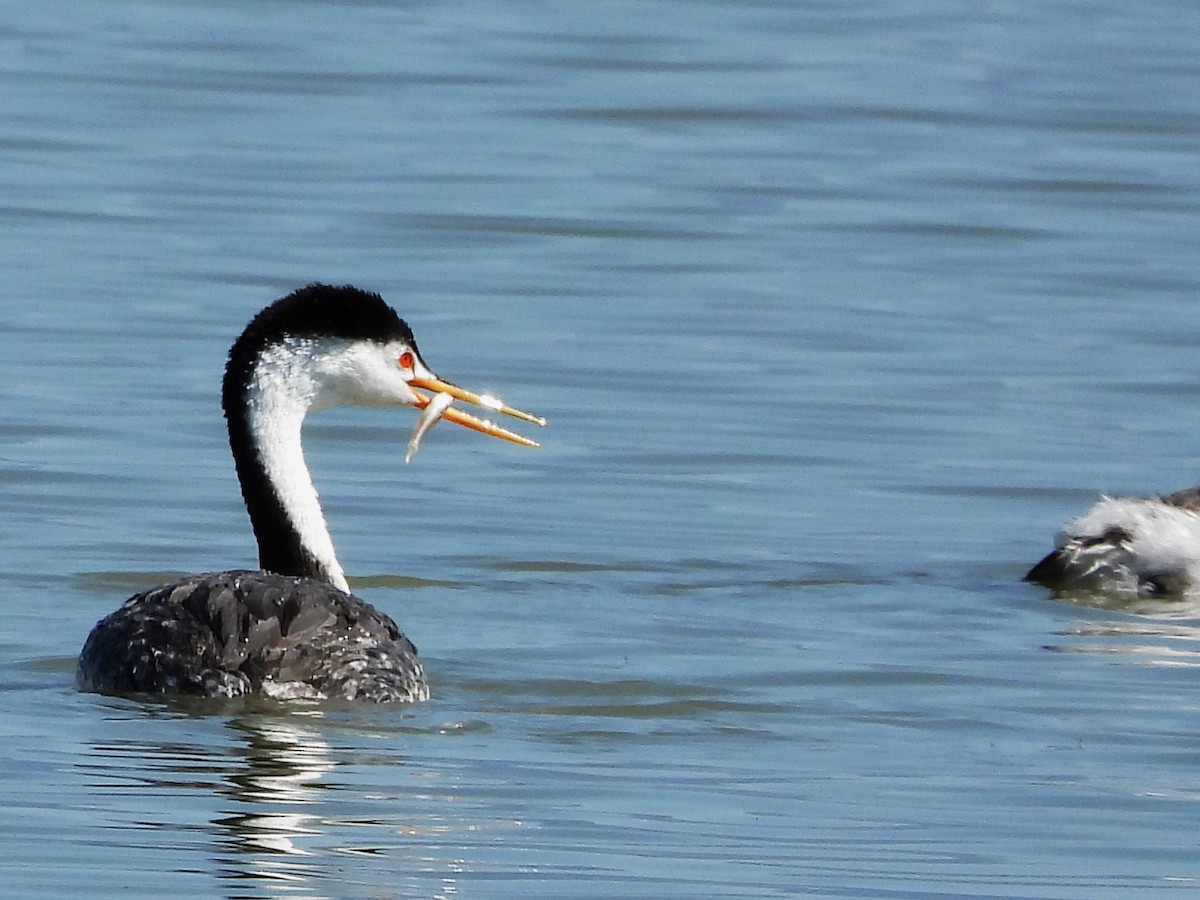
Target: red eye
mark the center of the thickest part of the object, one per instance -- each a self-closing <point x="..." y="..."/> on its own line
<point x="406" y="359"/>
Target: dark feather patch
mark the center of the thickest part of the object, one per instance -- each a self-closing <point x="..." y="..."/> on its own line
<point x="234" y="633"/>
<point x="1188" y="498"/>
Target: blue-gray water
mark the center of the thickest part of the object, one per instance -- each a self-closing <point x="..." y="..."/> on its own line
<point x="837" y="310"/>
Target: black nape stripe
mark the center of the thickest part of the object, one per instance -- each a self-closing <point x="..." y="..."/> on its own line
<point x="318" y="310"/>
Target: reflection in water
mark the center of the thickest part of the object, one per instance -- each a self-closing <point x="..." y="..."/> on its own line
<point x="1160" y="631"/>
<point x="285" y="763"/>
<point x="1175" y="608"/>
<point x="1153" y="641"/>
<point x="260" y="810"/>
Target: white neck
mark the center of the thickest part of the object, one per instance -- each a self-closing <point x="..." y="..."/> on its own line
<point x="281" y="393"/>
<point x="287" y="379"/>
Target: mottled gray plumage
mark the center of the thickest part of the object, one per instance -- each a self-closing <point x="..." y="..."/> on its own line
<point x="1129" y="547"/>
<point x="232" y="633"/>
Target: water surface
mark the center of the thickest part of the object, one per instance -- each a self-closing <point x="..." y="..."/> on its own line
<point x="837" y="311"/>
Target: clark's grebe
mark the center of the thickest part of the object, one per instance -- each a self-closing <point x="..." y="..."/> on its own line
<point x="292" y="629"/>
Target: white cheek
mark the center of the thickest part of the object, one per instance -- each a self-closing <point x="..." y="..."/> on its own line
<point x="399" y="391"/>
<point x="380" y="382"/>
<point x="362" y="375"/>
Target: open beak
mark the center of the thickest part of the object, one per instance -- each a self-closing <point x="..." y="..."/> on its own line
<point x="442" y="409"/>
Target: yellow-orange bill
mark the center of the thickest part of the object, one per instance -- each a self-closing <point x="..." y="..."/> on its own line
<point x="487" y="401"/>
<point x="483" y="426"/>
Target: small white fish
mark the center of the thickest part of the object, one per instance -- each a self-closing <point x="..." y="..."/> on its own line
<point x="437" y="405"/>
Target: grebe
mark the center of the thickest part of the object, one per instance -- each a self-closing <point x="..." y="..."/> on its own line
<point x="293" y="629"/>
<point x="1134" y="547"/>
